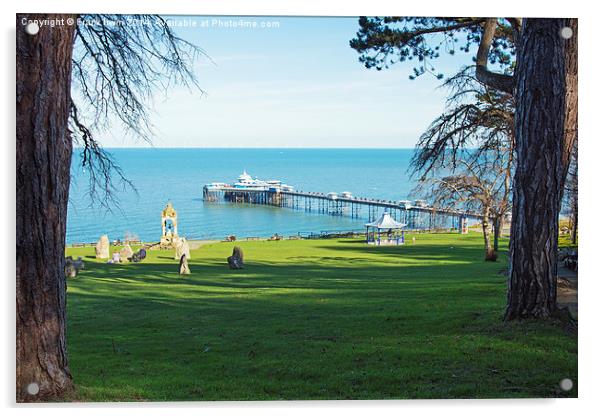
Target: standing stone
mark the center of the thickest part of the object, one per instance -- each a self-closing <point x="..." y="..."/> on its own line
<point x="102" y="247"/>
<point x="70" y="271"/>
<point x="235" y="261"/>
<point x="184" y="269"/>
<point x="116" y="258"/>
<point x="78" y="264"/>
<point x="182" y="248"/>
<point x="126" y="252"/>
<point x="72" y="267"/>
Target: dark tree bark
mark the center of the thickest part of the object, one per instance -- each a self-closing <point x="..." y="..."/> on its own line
<point x="43" y="162"/>
<point x="545" y="92"/>
<point x="498" y="223"/>
<point x="571" y="100"/>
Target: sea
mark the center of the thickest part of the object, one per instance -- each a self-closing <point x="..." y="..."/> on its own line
<point x="160" y="175"/>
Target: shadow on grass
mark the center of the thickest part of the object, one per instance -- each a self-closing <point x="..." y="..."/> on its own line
<point x="421" y="270"/>
<point x="355" y="325"/>
<point x="309" y="272"/>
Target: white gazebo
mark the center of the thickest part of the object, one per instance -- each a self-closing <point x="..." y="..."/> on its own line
<point x="385" y="231"/>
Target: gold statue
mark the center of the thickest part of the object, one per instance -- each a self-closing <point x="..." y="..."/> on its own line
<point x="169" y="226"/>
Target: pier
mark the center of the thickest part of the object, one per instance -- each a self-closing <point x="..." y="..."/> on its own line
<point x="416" y="214"/>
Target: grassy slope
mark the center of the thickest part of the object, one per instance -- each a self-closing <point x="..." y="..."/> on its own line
<point x="565" y="240"/>
<point x="321" y="319"/>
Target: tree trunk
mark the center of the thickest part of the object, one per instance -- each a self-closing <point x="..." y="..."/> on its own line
<point x="489" y="252"/>
<point x="498" y="223"/>
<point x="542" y="123"/>
<point x="43" y="163"/>
<point x="571" y="102"/>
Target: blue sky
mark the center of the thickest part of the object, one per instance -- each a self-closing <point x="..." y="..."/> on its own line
<point x="296" y="84"/>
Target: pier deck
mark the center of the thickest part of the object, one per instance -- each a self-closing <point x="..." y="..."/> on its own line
<point x="416" y="216"/>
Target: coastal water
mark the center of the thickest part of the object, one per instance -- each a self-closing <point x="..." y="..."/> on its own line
<point x="178" y="175"/>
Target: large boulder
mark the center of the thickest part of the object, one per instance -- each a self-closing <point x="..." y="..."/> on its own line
<point x="102" y="247"/>
<point x="182" y="249"/>
<point x="236" y="260"/>
<point x="72" y="267"/>
<point x="126" y="252"/>
<point x="139" y="256"/>
<point x="184" y="269"/>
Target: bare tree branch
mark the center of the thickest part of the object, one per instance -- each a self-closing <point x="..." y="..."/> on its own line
<point x="479" y="120"/>
<point x="119" y="61"/>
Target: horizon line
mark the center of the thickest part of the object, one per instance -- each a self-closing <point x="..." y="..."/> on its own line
<point x="251" y="148"/>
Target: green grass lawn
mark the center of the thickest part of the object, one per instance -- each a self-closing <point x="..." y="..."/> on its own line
<point x="309" y="319"/>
